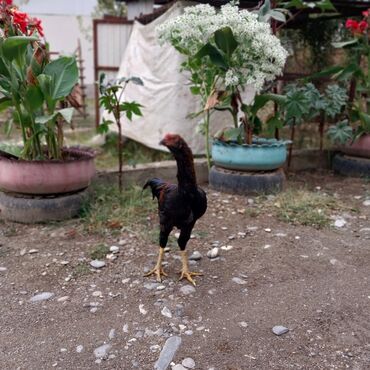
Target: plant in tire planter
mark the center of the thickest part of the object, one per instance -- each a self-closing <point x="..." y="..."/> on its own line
<point x="33" y="87"/>
<point x="226" y="52"/>
<point x="353" y="133"/>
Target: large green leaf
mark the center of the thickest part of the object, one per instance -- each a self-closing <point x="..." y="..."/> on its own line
<point x="325" y="5"/>
<point x="5" y="103"/>
<point x="66" y="114"/>
<point x="15" y="47"/>
<point x="215" y="56"/>
<point x="64" y="76"/>
<point x="340" y="133"/>
<point x="45" y="83"/>
<point x="225" y="41"/>
<point x="34" y="97"/>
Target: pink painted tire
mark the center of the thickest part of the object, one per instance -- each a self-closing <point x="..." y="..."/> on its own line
<point x="360" y="148"/>
<point x="48" y="177"/>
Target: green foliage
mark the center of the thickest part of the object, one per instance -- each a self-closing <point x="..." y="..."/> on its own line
<point x="341" y="133"/>
<point x="99" y="252"/>
<point x="33" y="89"/>
<point x="111" y="209"/>
<point x="111" y="99"/>
<point x="302" y="207"/>
<point x="110" y="7"/>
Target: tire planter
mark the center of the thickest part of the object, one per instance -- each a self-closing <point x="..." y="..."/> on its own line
<point x="246" y="183"/>
<point x="359" y="148"/>
<point x="36" y="209"/>
<point x="351" y="166"/>
<point x="48" y="177"/>
<point x="262" y="155"/>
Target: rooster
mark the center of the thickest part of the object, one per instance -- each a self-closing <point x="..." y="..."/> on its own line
<point x="179" y="205"/>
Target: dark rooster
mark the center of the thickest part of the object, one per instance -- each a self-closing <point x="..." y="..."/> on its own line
<point x="178" y="205"/>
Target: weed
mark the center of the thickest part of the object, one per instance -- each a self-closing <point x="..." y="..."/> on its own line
<point x="99" y="252"/>
<point x="110" y="211"/>
<point x="306" y="208"/>
<point x="80" y="270"/>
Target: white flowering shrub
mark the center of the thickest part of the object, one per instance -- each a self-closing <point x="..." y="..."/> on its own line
<point x="258" y="57"/>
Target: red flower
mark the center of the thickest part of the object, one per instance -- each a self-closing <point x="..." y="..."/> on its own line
<point x="351" y="24"/>
<point x="36" y="25"/>
<point x="7" y="2"/>
<point x="21" y="20"/>
<point x="362" y="26"/>
<point x="365" y="13"/>
<point x="355" y="27"/>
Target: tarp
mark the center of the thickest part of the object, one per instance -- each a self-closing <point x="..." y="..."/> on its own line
<point x="165" y="95"/>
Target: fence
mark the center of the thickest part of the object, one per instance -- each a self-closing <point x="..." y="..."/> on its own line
<point x="110" y="37"/>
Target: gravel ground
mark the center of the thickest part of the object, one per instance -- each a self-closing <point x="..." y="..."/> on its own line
<point x="266" y="273"/>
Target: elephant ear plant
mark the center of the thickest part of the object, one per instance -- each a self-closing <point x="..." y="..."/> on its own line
<point x="33" y="85"/>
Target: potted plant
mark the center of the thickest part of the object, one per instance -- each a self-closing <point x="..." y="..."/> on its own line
<point x="33" y="88"/>
<point x="352" y="134"/>
<point x="230" y="55"/>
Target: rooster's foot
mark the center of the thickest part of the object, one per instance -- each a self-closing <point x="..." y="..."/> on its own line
<point x="158" y="272"/>
<point x="185" y="274"/>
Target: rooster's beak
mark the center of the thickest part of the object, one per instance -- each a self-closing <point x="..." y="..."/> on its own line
<point x="162" y="142"/>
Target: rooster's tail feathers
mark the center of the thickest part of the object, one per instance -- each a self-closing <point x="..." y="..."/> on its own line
<point x="156" y="185"/>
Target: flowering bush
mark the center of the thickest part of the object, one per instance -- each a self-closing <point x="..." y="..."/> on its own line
<point x="15" y="22"/>
<point x="259" y="56"/>
<point x="358" y="72"/>
<point x="33" y="85"/>
<point x="225" y="52"/>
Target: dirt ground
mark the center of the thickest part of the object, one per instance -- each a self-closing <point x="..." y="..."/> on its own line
<point x="315" y="282"/>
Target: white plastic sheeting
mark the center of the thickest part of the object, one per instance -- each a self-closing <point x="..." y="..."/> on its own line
<point x="165" y="95"/>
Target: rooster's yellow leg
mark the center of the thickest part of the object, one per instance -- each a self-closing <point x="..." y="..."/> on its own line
<point x="158" y="269"/>
<point x="185" y="273"/>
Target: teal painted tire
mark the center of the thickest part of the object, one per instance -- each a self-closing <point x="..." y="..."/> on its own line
<point x="262" y="155"/>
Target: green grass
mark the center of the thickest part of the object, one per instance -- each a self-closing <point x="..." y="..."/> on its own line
<point x="80" y="270"/>
<point x="306" y="208"/>
<point x="99" y="252"/>
<point x="110" y="211"/>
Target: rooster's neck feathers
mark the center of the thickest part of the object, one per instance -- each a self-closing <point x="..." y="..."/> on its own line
<point x="186" y="177"/>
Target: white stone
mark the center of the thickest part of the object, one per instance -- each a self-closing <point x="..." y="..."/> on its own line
<point x="63" y="299"/>
<point x="366" y="203"/>
<point x="166" y="312"/>
<point x="213" y="253"/>
<point x="79" y="348"/>
<point x="268" y="230"/>
<point x="97" y="264"/>
<point x="279" y="330"/>
<point x="340" y="222"/>
<point x="227" y="247"/>
<point x="2" y="269"/>
<point x="142" y="310"/>
<point x="112" y="334"/>
<point x="114" y="249"/>
<point x="168" y="353"/>
<point x="102" y="351"/>
<point x="188" y="362"/>
<point x="239" y="281"/>
<point x="42" y="297"/>
<point x="195" y="256"/>
<point x="97" y="293"/>
<point x="187" y="289"/>
<point x="33" y="251"/>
